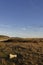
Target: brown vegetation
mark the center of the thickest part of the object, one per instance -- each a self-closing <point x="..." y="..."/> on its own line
<point x="29" y="51"/>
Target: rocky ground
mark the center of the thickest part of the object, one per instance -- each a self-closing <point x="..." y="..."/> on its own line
<point x="29" y="52"/>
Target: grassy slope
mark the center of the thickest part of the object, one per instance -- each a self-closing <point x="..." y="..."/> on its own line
<point x="2" y="37"/>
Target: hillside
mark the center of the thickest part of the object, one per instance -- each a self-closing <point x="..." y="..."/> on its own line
<point x="3" y="37"/>
<point x="29" y="51"/>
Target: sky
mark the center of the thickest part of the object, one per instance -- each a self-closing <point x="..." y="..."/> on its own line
<point x="21" y="18"/>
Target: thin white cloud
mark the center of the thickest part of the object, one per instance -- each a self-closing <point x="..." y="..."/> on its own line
<point x="24" y="29"/>
<point x="4" y="25"/>
<point x="35" y="26"/>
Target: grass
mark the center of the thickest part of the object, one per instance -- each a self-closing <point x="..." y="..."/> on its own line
<point x="29" y="51"/>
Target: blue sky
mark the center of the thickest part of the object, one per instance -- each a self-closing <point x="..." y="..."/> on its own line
<point x="21" y="18"/>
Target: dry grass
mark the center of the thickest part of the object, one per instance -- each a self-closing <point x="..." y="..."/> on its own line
<point x="29" y="51"/>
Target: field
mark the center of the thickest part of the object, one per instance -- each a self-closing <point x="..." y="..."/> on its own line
<point x="29" y="51"/>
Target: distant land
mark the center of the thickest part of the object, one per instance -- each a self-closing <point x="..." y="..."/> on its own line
<point x="5" y="38"/>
